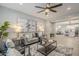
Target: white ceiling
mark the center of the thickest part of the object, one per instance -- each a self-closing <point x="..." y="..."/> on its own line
<point x="62" y="12"/>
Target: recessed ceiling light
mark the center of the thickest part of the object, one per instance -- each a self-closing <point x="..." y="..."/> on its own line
<point x="68" y="8"/>
<point x="20" y="3"/>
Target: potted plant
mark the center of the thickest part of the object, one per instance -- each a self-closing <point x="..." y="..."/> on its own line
<point x="3" y="30"/>
<point x="3" y="34"/>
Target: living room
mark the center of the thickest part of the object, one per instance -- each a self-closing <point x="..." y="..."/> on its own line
<point x="39" y="29"/>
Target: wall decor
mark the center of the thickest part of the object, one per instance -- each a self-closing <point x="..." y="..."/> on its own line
<point x="32" y="26"/>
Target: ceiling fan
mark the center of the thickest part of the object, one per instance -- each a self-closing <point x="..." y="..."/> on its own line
<point x="48" y="8"/>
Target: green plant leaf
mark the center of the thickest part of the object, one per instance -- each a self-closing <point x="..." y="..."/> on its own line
<point x="5" y="34"/>
<point x="3" y="29"/>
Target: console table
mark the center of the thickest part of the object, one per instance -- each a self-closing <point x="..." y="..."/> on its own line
<point x="48" y="47"/>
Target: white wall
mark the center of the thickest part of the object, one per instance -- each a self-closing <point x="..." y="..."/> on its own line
<point x="49" y="28"/>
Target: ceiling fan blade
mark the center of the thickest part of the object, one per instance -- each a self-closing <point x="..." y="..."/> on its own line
<point x="56" y="5"/>
<point x="39" y="7"/>
<point x="53" y="10"/>
<point x="41" y="11"/>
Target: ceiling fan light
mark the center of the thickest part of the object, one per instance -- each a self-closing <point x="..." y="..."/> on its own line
<point x="47" y="10"/>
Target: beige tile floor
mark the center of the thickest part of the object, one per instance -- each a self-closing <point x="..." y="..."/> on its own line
<point x="72" y="42"/>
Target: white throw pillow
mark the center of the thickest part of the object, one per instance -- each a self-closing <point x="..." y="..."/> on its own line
<point x="9" y="43"/>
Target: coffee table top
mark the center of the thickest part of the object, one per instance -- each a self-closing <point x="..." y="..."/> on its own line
<point x="49" y="43"/>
